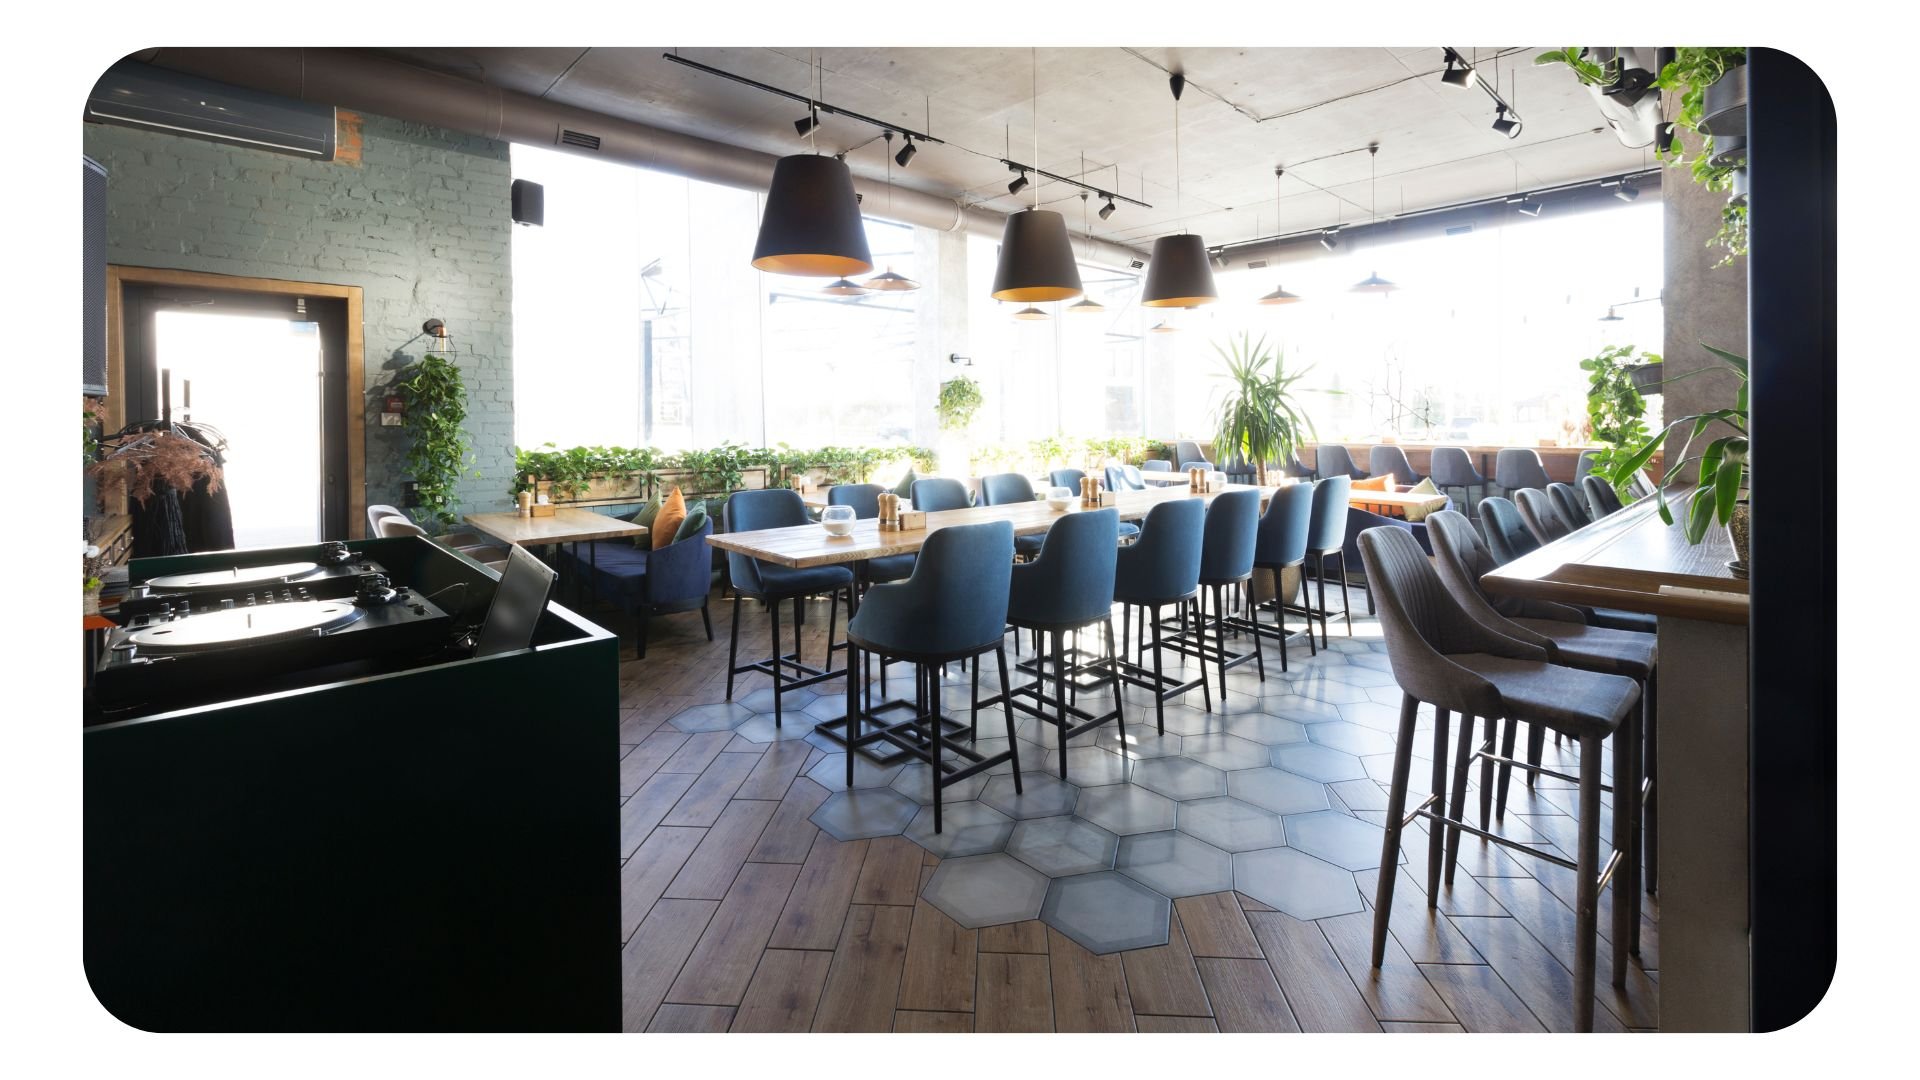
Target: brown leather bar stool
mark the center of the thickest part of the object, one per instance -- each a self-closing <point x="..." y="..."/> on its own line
<point x="1442" y="656"/>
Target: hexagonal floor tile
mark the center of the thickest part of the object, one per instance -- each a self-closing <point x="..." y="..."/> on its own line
<point x="1224" y="751"/>
<point x="1265" y="729"/>
<point x="1339" y="839"/>
<point x="1359" y="672"/>
<point x="1277" y="790"/>
<point x="1035" y="730"/>
<point x="1370" y="714"/>
<point x="760" y="729"/>
<point x="1316" y="762"/>
<point x="987" y="890"/>
<point x="912" y="782"/>
<point x="1031" y="754"/>
<point x="1352" y="738"/>
<point x="1318" y="685"/>
<point x="1296" y="883"/>
<point x="865" y="813"/>
<point x="1107" y="912"/>
<point x="830" y="772"/>
<point x="1045" y="795"/>
<point x="1124" y="809"/>
<point x="1304" y="709"/>
<point x="721" y="717"/>
<point x="1180" y="778"/>
<point x="1174" y="864"/>
<point x="822" y="707"/>
<point x="1377" y="660"/>
<point x="967" y="828"/>
<point x="1091" y="766"/>
<point x="1143" y="741"/>
<point x="761" y="700"/>
<point x="1181" y="720"/>
<point x="1063" y="846"/>
<point x="1231" y="825"/>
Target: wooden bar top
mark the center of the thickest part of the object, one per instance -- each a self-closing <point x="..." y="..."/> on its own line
<point x="1633" y="561"/>
<point x="566" y="526"/>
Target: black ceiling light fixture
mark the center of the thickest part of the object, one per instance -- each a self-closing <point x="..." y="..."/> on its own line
<point x="906" y="153"/>
<point x="1612" y="316"/>
<point x="1373" y="282"/>
<point x="806" y="124"/>
<point x="1107" y="210"/>
<point x="1031" y="313"/>
<point x="890" y="281"/>
<point x="1330" y="238"/>
<point x="1018" y="183"/>
<point x="1179" y="272"/>
<point x="1087" y="304"/>
<point x="846" y="287"/>
<point x="1510" y="127"/>
<point x="1525" y="205"/>
<point x="1279" y="295"/>
<point x="1458" y="72"/>
<point x="1036" y="258"/>
<point x="1627" y="191"/>
<point x="811" y="225"/>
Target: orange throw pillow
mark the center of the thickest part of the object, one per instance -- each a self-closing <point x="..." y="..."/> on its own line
<point x="1383" y="482"/>
<point x="672" y="513"/>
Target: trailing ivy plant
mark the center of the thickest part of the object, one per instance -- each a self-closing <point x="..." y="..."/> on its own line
<point x="438" y="451"/>
<point x="1615" y="410"/>
<point x="959" y="400"/>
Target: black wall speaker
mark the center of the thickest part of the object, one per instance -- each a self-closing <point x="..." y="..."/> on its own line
<point x="93" y="265"/>
<point x="529" y="203"/>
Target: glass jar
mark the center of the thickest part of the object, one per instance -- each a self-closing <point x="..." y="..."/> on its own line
<point x="837" y="520"/>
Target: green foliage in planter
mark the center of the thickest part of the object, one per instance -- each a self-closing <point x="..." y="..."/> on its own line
<point x="1258" y="418"/>
<point x="720" y="470"/>
<point x="438" y="449"/>
<point x="1615" y="410"/>
<point x="959" y="400"/>
<point x="570" y="471"/>
<point x="1723" y="467"/>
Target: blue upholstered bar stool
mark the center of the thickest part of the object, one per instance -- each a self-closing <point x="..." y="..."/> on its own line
<point x="1509" y="538"/>
<point x="1442" y="656"/>
<point x="1327" y="535"/>
<point x="1541" y="515"/>
<point x="1602" y="500"/>
<point x="1008" y="489"/>
<point x="865" y="500"/>
<point x="1572" y="508"/>
<point x="940" y="493"/>
<point x="1226" y="564"/>
<point x="1187" y="452"/>
<point x="1451" y="468"/>
<point x="1162" y="568"/>
<point x="1295" y="467"/>
<point x="1067" y="478"/>
<point x="1067" y="589"/>
<point x="776" y="508"/>
<point x="953" y="607"/>
<point x="1332" y="459"/>
<point x="1516" y="468"/>
<point x="1281" y="545"/>
<point x="1391" y="459"/>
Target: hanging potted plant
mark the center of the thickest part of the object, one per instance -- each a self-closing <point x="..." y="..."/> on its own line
<point x="1258" y="420"/>
<point x="438" y="449"/>
<point x="1719" y="484"/>
<point x="1616" y="404"/>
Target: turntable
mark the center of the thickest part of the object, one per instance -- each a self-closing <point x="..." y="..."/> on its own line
<point x="334" y="572"/>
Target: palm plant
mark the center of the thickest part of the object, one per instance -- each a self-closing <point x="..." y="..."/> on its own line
<point x="1258" y="418"/>
<point x="1722" y="473"/>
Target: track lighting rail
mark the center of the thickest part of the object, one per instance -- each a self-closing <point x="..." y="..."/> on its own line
<point x="1103" y="193"/>
<point x="811" y="103"/>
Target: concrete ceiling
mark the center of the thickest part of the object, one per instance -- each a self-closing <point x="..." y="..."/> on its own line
<point x="1244" y="111"/>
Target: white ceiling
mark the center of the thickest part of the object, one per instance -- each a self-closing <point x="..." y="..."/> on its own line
<point x="1244" y="112"/>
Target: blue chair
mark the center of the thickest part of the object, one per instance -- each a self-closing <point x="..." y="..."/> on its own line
<point x="1295" y="467"/>
<point x="1226" y="563"/>
<point x="1117" y="479"/>
<point x="1584" y="467"/>
<point x="1196" y="463"/>
<point x="1359" y="521"/>
<point x="663" y="581"/>
<point x="1572" y="508"/>
<point x="1187" y="452"/>
<point x="1602" y="500"/>
<point x="953" y="607"/>
<point x="1392" y="459"/>
<point x="1162" y="568"/>
<point x="1281" y="545"/>
<point x="1452" y="467"/>
<point x="1156" y="465"/>
<point x="1067" y="589"/>
<point x="777" y="508"/>
<point x="1516" y="468"/>
<point x="1542" y="517"/>
<point x="1009" y="489"/>
<point x="1519" y="531"/>
<point x="865" y="500"/>
<point x="1327" y="535"/>
<point x="1067" y="478"/>
<point x="1240" y="471"/>
<point x="1332" y="459"/>
<point x="940" y="493"/>
<point x="1506" y="534"/>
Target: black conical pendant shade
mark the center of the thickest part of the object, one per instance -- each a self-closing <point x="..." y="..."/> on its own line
<point x="812" y="225"/>
<point x="1179" y="273"/>
<point x="1036" y="261"/>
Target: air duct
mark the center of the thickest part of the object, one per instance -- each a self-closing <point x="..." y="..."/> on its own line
<point x="373" y="83"/>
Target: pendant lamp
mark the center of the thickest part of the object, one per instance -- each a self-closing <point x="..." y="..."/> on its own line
<point x="811" y="226"/>
<point x="1279" y="295"/>
<point x="1036" y="259"/>
<point x="1179" y="273"/>
<point x="890" y="281"/>
<point x="1087" y="305"/>
<point x="1373" y="282"/>
<point x="1030" y="314"/>
<point x="844" y="287"/>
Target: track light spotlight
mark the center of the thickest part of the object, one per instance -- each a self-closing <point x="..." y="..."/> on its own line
<point x="1218" y="259"/>
<point x="1626" y="192"/>
<point x="1462" y="76"/>
<point x="906" y="153"/>
<point x="1328" y="241"/>
<point x="1017" y="184"/>
<point x="1529" y="208"/>
<point x="805" y="125"/>
<point x="1107" y="210"/>
<point x="1509" y="128"/>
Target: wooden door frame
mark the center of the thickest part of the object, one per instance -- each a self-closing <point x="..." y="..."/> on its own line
<point x="118" y="277"/>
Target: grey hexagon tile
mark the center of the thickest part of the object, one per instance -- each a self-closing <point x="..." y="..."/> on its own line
<point x="721" y="717"/>
<point x="760" y="729"/>
<point x="1320" y="686"/>
<point x="761" y="700"/>
<point x="1348" y="645"/>
<point x="1279" y="791"/>
<point x="1296" y="883"/>
<point x="1031" y="754"/>
<point x="1419" y="775"/>
<point x="1045" y="795"/>
<point x="1238" y="701"/>
<point x="1091" y="766"/>
<point x="1373" y="715"/>
<point x="967" y="828"/>
<point x="1304" y="709"/>
<point x="1174" y="863"/>
<point x="1035" y="730"/>
<point x="1316" y="762"/>
<point x="991" y="725"/>
<point x="1181" y="720"/>
<point x="1063" y="846"/>
<point x="822" y="707"/>
<point x="1141" y="742"/>
<point x="865" y="813"/>
<point x="1266" y="730"/>
<point x="831" y="772"/>
<point x="1107" y="912"/>
<point x="817" y="738"/>
<point x="1224" y="751"/>
<point x="1341" y="840"/>
<point x="912" y="782"/>
<point x="1231" y="825"/>
<point x="987" y="890"/>
<point x="1378" y="661"/>
<point x="1180" y="778"/>
<point x="1124" y="808"/>
<point x="1352" y="738"/>
<point x="1363" y="676"/>
<point x="1386" y="695"/>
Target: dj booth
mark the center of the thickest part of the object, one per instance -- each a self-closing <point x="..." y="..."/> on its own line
<point x="316" y="800"/>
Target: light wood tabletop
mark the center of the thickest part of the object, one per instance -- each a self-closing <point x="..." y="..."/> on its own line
<point x="810" y="545"/>
<point x="566" y="526"/>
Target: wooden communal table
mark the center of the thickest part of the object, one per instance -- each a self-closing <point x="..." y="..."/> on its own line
<point x="566" y="526"/>
<point x="1697" y="756"/>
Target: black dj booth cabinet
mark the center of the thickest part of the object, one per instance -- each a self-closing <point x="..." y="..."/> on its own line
<point x="397" y="835"/>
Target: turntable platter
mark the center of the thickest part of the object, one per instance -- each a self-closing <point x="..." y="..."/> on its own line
<point x="233" y="577"/>
<point x="235" y="627"/>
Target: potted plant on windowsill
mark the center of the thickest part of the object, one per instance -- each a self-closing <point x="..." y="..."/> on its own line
<point x="1718" y="493"/>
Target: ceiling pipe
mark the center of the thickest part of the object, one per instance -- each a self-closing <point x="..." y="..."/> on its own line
<point x="377" y="84"/>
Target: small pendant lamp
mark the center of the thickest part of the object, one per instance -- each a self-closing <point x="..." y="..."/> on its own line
<point x="844" y="287"/>
<point x="1087" y="305"/>
<point x="1036" y="259"/>
<point x="1373" y="282"/>
<point x="1030" y="314"/>
<point x="1279" y="295"/>
<point x="1179" y="273"/>
<point x="890" y="281"/>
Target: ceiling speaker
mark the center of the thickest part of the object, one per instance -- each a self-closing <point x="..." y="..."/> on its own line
<point x="529" y="203"/>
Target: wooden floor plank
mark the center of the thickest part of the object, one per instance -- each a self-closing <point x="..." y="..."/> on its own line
<point x="1173" y="1025"/>
<point x="711" y="790"/>
<point x="1397" y="991"/>
<point x="652" y="868"/>
<point x="907" y="1021"/>
<point x="1089" y="992"/>
<point x="1248" y="903"/>
<point x="1021" y="937"/>
<point x="724" y="960"/>
<point x="785" y="991"/>
<point x="865" y="977"/>
<point x="1553" y="925"/>
<point x="817" y="908"/>
<point x="1395" y="1027"/>
<point x="1162" y="980"/>
<point x="1216" y="926"/>
<point x="695" y="1019"/>
<point x="1319" y="993"/>
<point x="789" y="835"/>
<point x="639" y="766"/>
<point x="891" y="874"/>
<point x="1245" y="996"/>
<point x="1422" y="931"/>
<point x="1531" y="972"/>
<point x="1479" y="998"/>
<point x="710" y="870"/>
<point x="649" y="806"/>
<point x="939" y="973"/>
<point x="1015" y="993"/>
<point x="697" y="752"/>
<point x="651" y="960"/>
<point x="775" y="771"/>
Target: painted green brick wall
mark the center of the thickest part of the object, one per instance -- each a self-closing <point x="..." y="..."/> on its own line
<point x="420" y="222"/>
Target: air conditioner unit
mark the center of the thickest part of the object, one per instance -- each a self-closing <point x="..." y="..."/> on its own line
<point x="143" y="96"/>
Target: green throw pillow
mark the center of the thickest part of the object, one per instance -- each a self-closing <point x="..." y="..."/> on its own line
<point x="648" y="511"/>
<point x="905" y="489"/>
<point x="695" y="520"/>
<point x="1424" y="487"/>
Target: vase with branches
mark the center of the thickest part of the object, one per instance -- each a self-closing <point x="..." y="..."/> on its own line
<point x="1258" y="419"/>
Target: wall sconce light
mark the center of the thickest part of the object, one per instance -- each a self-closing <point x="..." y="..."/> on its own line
<point x="439" y="339"/>
<point x="956" y="358"/>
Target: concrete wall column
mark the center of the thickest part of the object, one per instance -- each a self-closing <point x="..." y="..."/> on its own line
<point x="1703" y="302"/>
